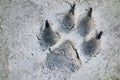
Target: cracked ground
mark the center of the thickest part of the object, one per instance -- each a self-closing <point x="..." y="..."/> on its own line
<point x="59" y="40"/>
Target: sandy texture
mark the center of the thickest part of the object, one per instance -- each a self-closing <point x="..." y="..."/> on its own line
<point x="22" y="57"/>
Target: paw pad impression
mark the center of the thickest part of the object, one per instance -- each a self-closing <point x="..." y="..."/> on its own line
<point x="65" y="56"/>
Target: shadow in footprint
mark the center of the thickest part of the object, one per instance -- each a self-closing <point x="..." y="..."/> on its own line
<point x="48" y="37"/>
<point x="64" y="58"/>
<point x="85" y="26"/>
<point x="91" y="47"/>
<point x="69" y="19"/>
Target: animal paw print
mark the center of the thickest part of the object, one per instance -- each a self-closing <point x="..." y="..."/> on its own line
<point x="65" y="55"/>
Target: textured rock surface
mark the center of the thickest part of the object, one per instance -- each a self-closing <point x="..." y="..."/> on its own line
<point x="22" y="58"/>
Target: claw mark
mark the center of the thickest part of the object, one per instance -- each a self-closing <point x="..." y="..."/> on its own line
<point x="72" y="10"/>
<point x="90" y="12"/>
<point x="98" y="36"/>
<point x="47" y="25"/>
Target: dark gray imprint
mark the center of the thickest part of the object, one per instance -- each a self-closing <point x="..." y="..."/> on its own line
<point x="84" y="26"/>
<point x="90" y="47"/>
<point x="64" y="58"/>
<point x="47" y="37"/>
<point x="69" y="19"/>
